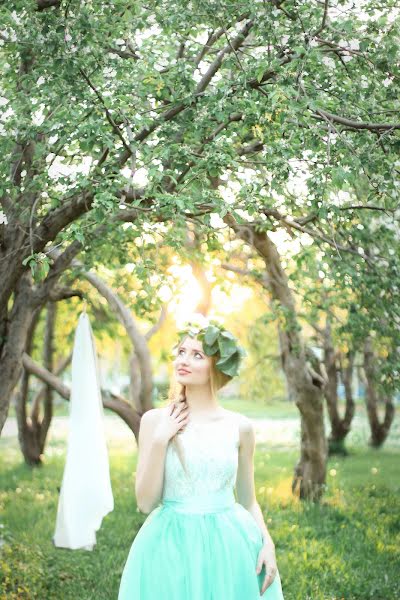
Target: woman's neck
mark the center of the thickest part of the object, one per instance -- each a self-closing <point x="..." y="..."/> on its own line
<point x="200" y="401"/>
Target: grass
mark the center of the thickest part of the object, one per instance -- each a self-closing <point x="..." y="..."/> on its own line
<point x="276" y="409"/>
<point x="346" y="548"/>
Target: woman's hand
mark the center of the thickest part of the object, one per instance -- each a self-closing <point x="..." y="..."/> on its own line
<point x="266" y="557"/>
<point x="175" y="418"/>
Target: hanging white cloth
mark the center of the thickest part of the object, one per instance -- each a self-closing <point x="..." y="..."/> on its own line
<point x="86" y="493"/>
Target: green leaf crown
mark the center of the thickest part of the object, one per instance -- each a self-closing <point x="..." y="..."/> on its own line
<point x="215" y="340"/>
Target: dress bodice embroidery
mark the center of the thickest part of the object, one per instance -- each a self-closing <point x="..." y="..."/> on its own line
<point x="211" y="458"/>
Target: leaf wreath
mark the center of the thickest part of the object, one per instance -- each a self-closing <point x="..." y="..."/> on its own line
<point x="217" y="341"/>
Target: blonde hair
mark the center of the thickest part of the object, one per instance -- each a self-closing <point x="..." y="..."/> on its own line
<point x="177" y="392"/>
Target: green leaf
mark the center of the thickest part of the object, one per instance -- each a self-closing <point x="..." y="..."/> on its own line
<point x="227" y="344"/>
<point x="211" y="335"/>
<point x="27" y="259"/>
<point x="260" y="72"/>
<point x="210" y="349"/>
<point x="229" y="365"/>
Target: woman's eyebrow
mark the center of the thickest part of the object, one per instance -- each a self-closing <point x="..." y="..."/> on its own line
<point x="193" y="349"/>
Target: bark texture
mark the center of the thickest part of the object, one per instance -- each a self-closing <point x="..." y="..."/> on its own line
<point x="303" y="372"/>
<point x="379" y="428"/>
<point x="340" y="426"/>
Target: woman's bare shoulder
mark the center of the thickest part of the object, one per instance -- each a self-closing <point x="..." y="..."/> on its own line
<point x="154" y="414"/>
<point x="245" y="424"/>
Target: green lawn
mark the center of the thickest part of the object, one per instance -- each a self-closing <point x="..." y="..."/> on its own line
<point x="278" y="409"/>
<point x="347" y="548"/>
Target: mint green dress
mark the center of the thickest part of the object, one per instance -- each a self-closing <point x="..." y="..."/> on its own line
<point x="199" y="543"/>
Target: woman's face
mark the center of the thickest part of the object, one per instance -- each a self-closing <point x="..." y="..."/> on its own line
<point x="192" y="366"/>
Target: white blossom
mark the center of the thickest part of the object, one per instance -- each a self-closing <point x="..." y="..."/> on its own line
<point x="194" y="323"/>
<point x="328" y="62"/>
<point x="3" y="218"/>
<point x="354" y="44"/>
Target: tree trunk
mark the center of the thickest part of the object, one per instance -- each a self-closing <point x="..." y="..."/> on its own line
<point x="310" y="470"/>
<point x="32" y="430"/>
<point x="134" y="381"/>
<point x="340" y="427"/>
<point x="306" y="389"/>
<point x="16" y="329"/>
<point x="139" y="342"/>
<point x="28" y="432"/>
<point x="112" y="401"/>
<point x="16" y="286"/>
<point x="379" y="430"/>
<point x="48" y="362"/>
<point x="301" y="367"/>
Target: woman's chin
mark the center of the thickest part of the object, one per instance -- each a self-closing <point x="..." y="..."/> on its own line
<point x="184" y="379"/>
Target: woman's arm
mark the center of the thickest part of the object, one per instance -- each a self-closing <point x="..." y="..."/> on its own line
<point x="245" y="478"/>
<point x="152" y="450"/>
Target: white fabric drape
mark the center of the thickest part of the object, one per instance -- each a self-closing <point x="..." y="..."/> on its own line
<point x="86" y="494"/>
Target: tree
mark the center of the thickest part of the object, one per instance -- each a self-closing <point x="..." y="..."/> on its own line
<point x="194" y="96"/>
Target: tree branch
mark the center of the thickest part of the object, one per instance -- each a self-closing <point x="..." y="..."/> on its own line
<point x="109" y="116"/>
<point x="63" y="292"/>
<point x="111" y="401"/>
<point x="157" y="326"/>
<point x="356" y="124"/>
<point x="314" y="234"/>
<point x="199" y="90"/>
<point x="264" y="279"/>
<point x="44" y="4"/>
<point x="60" y="368"/>
<point x="324" y="19"/>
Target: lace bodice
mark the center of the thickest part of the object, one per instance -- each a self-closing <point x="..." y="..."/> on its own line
<point x="211" y="457"/>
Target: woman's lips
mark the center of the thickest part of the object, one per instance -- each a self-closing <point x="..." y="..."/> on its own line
<point x="183" y="372"/>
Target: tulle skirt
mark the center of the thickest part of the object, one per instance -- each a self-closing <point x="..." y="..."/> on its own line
<point x="202" y="548"/>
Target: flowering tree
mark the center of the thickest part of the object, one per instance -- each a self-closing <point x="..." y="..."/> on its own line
<point x="117" y="119"/>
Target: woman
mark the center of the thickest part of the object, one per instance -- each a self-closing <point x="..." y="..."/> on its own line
<point x="199" y="542"/>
